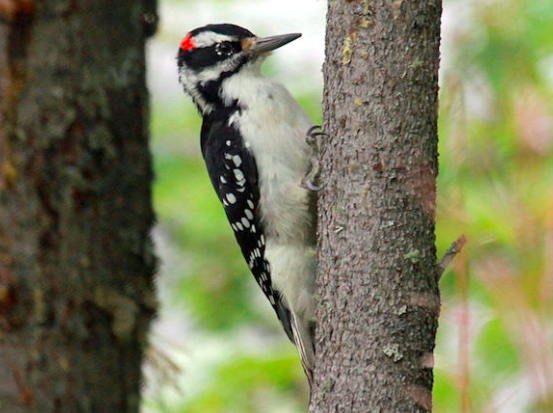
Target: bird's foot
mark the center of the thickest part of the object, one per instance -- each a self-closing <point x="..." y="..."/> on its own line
<point x="313" y="136"/>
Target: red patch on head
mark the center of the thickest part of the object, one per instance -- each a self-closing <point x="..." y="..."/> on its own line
<point x="187" y="43"/>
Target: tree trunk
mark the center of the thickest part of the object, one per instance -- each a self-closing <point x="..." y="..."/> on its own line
<point x="378" y="286"/>
<point x="76" y="260"/>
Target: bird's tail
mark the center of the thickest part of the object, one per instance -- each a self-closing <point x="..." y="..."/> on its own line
<point x="304" y="340"/>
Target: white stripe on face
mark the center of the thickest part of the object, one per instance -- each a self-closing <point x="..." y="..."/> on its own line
<point x="207" y="39"/>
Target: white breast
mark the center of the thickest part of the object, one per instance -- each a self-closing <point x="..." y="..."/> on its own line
<point x="274" y="126"/>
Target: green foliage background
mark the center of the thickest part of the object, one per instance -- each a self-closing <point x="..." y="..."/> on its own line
<point x="495" y="344"/>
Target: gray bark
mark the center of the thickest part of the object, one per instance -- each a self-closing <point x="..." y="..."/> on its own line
<point x="378" y="284"/>
<point x="76" y="260"/>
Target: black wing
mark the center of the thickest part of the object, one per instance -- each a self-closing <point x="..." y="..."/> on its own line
<point x="234" y="176"/>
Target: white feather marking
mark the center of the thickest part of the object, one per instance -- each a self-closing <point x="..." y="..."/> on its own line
<point x="234" y="119"/>
<point x="187" y="78"/>
<point x="238" y="174"/>
<point x="209" y="38"/>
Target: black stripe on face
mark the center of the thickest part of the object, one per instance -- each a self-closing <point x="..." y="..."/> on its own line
<point x="203" y="57"/>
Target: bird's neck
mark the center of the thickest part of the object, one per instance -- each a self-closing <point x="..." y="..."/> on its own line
<point x="224" y="93"/>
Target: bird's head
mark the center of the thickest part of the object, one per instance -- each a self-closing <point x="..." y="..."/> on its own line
<point x="210" y="54"/>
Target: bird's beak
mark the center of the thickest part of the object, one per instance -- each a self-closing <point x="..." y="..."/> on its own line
<point x="260" y="45"/>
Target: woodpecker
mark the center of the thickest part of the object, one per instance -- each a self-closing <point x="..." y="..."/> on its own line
<point x="253" y="141"/>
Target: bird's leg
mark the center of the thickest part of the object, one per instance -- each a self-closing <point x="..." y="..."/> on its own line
<point x="312" y="138"/>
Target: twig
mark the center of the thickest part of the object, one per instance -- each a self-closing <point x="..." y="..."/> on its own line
<point x="452" y="251"/>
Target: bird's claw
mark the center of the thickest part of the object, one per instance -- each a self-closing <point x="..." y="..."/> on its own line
<point x="312" y="137"/>
<point x="308" y="184"/>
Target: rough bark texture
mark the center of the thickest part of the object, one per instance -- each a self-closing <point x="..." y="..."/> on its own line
<point x="76" y="261"/>
<point x="378" y="286"/>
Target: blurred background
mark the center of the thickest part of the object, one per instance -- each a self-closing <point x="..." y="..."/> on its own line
<point x="217" y="346"/>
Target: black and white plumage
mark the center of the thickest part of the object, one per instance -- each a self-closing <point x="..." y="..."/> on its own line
<point x="253" y="144"/>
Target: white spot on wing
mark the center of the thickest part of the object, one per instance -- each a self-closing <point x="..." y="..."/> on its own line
<point x="237" y="160"/>
<point x="238" y="174"/>
<point x="245" y="222"/>
<point x="249" y="214"/>
<point x="231" y="198"/>
<point x="250" y="203"/>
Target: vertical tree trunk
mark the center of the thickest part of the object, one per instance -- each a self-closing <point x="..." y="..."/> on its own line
<point x="76" y="260"/>
<point x="378" y="287"/>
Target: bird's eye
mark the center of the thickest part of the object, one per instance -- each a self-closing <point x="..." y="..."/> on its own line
<point x="223" y="49"/>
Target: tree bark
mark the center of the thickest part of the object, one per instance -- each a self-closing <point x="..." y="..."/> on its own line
<point x="378" y="284"/>
<point x="76" y="260"/>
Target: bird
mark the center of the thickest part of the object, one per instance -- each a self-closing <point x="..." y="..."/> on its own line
<point x="257" y="144"/>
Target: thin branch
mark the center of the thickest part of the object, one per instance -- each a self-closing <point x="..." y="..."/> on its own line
<point x="452" y="251"/>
